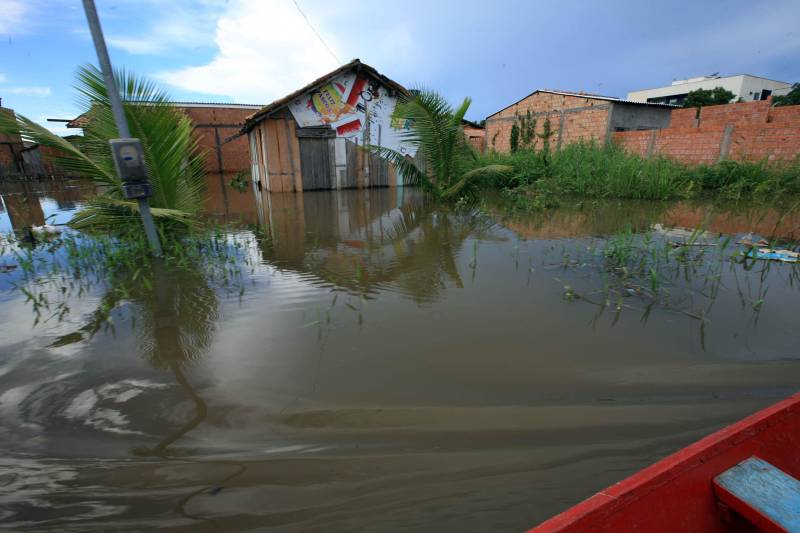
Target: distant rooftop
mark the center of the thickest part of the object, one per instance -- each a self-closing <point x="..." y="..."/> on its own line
<point x="584" y="95"/>
<point x="715" y="76"/>
<point x="80" y="121"/>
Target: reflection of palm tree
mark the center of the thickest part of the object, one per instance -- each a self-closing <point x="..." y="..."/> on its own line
<point x="176" y="310"/>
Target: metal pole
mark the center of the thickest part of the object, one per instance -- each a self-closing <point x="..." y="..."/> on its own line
<point x="118" y="111"/>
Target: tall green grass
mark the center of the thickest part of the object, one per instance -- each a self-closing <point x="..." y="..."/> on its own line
<point x="606" y="171"/>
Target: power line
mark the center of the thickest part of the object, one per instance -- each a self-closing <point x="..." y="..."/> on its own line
<point x="330" y="51"/>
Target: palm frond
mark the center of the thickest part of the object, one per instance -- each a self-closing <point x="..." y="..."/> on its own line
<point x="475" y="174"/>
<point x="438" y="133"/>
<point x="402" y="163"/>
<point x="103" y="212"/>
<point x="172" y="153"/>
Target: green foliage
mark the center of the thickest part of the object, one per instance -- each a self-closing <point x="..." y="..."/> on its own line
<point x="447" y="160"/>
<point x="793" y="98"/>
<point x="527" y="126"/>
<point x="706" y="97"/>
<point x="735" y="180"/>
<point x="523" y="132"/>
<point x="73" y="264"/>
<point x="547" y="132"/>
<point x="514" y="138"/>
<point x="174" y="161"/>
<point x="241" y="181"/>
<point x="595" y="171"/>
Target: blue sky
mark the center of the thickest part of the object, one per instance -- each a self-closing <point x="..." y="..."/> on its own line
<point x="253" y="51"/>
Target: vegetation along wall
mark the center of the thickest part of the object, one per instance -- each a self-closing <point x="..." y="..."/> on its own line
<point x="559" y="118"/>
<point x="743" y="131"/>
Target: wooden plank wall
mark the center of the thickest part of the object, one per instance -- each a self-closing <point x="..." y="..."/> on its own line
<point x="378" y="171"/>
<point x="278" y="143"/>
<point x="315" y="163"/>
<point x="351" y="176"/>
<point x="292" y="159"/>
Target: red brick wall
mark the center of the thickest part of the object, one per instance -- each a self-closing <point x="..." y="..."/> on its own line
<point x="476" y="137"/>
<point x="758" y="132"/>
<point x="227" y="121"/>
<point x="585" y="118"/>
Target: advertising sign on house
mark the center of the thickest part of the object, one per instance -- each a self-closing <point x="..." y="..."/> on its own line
<point x="354" y="105"/>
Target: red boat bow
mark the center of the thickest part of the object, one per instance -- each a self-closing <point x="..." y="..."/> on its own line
<point x="676" y="494"/>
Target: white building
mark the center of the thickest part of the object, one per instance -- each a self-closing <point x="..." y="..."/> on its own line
<point x="743" y="86"/>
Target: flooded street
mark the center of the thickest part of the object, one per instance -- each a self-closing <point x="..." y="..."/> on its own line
<point x="388" y="364"/>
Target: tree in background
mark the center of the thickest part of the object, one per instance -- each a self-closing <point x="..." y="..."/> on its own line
<point x="171" y="153"/>
<point x="706" y="97"/>
<point x="793" y="98"/>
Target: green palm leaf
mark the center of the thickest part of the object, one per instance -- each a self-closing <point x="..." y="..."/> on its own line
<point x="438" y="135"/>
<point x="172" y="154"/>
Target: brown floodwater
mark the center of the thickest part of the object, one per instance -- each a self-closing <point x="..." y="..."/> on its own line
<point x="390" y="365"/>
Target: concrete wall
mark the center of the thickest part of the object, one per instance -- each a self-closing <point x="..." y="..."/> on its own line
<point x="743" y="131"/>
<point x="638" y="117"/>
<point x="743" y="86"/>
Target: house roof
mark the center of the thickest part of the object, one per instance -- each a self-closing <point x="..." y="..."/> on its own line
<point x="81" y="120"/>
<point x="585" y="95"/>
<point x="355" y="64"/>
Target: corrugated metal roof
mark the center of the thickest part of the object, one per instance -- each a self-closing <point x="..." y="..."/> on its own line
<point x="217" y="104"/>
<point x="80" y="120"/>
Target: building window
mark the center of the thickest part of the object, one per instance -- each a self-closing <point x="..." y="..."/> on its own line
<point x="765" y="93"/>
<point x="756" y="95"/>
<point x="674" y="99"/>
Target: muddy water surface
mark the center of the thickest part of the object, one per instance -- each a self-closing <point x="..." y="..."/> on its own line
<point x="391" y="366"/>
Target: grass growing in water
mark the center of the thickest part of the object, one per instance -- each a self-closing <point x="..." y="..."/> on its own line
<point x="594" y="171"/>
<point x="71" y="265"/>
<point x="640" y="271"/>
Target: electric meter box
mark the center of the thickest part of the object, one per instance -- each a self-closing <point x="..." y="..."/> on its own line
<point x="129" y="159"/>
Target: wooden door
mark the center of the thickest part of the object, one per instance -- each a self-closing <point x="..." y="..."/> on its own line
<point x="315" y="164"/>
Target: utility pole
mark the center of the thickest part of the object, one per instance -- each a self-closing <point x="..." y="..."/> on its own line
<point x="128" y="153"/>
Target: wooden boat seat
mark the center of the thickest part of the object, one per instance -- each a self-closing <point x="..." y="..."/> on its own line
<point x="762" y="494"/>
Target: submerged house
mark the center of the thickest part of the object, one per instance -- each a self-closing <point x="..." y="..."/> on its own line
<point x="311" y="138"/>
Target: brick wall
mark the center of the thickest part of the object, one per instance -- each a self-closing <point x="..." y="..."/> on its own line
<point x="215" y="124"/>
<point x="743" y="131"/>
<point x="476" y="137"/>
<point x="572" y="118"/>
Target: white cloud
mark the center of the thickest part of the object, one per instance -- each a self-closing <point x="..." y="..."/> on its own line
<point x="13" y="17"/>
<point x="137" y="46"/>
<point x="29" y="91"/>
<point x="180" y="24"/>
<point x="265" y="50"/>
